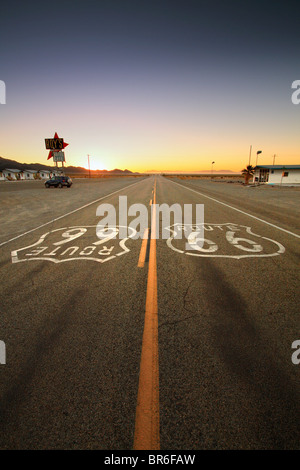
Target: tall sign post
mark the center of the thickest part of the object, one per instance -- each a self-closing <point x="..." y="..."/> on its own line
<point x="56" y="146"/>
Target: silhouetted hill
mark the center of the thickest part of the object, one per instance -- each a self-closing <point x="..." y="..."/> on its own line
<point x="120" y="171"/>
<point x="196" y="172"/>
<point x="13" y="164"/>
<point x="6" y="163"/>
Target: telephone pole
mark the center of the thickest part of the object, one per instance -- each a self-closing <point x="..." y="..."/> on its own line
<point x="89" y="166"/>
<point x="250" y="154"/>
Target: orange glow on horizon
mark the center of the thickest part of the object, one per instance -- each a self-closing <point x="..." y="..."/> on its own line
<point x="94" y="164"/>
<point x="158" y="159"/>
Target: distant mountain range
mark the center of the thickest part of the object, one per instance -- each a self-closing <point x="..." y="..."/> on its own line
<point x="12" y="164"/>
<point x="223" y="172"/>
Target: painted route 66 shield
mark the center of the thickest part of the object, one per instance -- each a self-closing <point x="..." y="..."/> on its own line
<point x="221" y="241"/>
<point x="76" y="243"/>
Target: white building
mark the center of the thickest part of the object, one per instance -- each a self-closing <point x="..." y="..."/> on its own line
<point x="29" y="174"/>
<point x="44" y="174"/>
<point x="277" y="174"/>
<point x="11" y="174"/>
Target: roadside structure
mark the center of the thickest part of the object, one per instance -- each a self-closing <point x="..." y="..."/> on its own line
<point x="44" y="174"/>
<point x="277" y="174"/>
<point x="29" y="174"/>
<point x="11" y="174"/>
<point x="15" y="174"/>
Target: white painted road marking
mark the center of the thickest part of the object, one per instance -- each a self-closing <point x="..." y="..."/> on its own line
<point x="231" y="241"/>
<point x="65" y="215"/>
<point x="238" y="210"/>
<point x="48" y="248"/>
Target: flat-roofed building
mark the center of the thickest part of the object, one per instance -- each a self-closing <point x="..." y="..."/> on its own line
<point x="277" y="174"/>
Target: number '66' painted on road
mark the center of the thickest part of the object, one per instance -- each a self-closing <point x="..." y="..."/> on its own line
<point x="222" y="240"/>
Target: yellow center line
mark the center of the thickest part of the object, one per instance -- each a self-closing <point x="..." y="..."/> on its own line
<point x="146" y="436"/>
<point x="143" y="251"/>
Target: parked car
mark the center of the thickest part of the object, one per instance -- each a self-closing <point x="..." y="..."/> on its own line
<point x="59" y="182"/>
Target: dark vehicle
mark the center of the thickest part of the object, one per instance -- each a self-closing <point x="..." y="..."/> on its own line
<point x="59" y="182"/>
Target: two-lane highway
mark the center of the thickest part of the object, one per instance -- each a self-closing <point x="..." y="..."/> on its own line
<point x="79" y="317"/>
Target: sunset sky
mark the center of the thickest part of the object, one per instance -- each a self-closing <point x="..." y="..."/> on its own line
<point x="151" y="85"/>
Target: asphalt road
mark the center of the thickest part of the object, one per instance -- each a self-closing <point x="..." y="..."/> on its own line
<point x="228" y="313"/>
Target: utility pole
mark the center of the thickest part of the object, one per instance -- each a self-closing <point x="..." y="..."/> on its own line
<point x="274" y="156"/>
<point x="89" y="166"/>
<point x="250" y="154"/>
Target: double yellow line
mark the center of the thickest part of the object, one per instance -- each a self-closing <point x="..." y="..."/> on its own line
<point x="146" y="436"/>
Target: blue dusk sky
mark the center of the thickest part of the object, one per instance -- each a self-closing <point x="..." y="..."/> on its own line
<point x="151" y="85"/>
